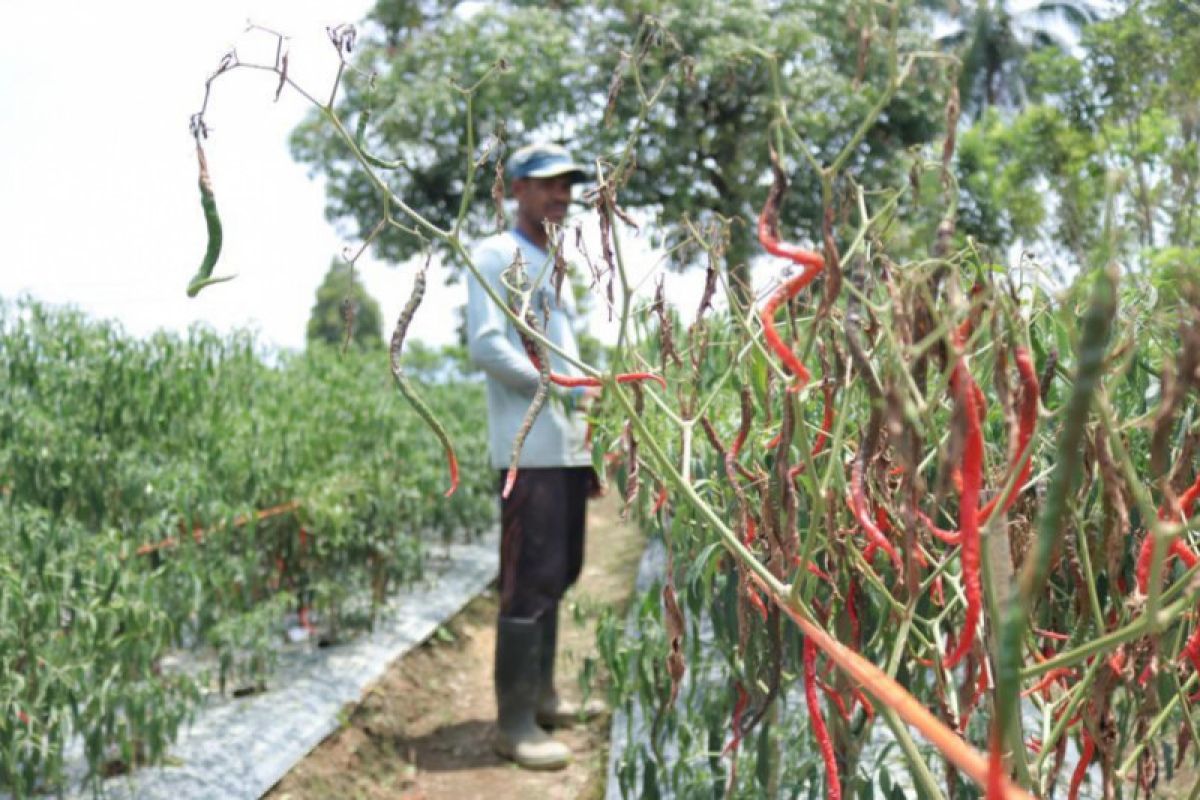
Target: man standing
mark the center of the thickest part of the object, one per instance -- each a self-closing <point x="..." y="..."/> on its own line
<point x="542" y="520"/>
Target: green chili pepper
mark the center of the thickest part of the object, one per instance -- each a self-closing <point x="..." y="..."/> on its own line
<point x="1097" y="327"/>
<point x="374" y="161"/>
<point x="213" y="221"/>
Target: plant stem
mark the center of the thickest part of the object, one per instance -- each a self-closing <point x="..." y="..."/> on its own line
<point x="1097" y="325"/>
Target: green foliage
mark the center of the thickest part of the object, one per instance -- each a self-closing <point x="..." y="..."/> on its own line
<point x="1101" y="168"/>
<point x="701" y="155"/>
<point x="80" y="635"/>
<point x="995" y="40"/>
<point x="131" y="472"/>
<point x="728" y="645"/>
<point x="1117" y="131"/>
<point x="341" y="290"/>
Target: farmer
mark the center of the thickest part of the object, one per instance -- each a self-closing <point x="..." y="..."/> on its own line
<point x="542" y="520"/>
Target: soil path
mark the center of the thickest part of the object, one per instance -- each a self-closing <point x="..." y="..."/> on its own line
<point x="424" y="732"/>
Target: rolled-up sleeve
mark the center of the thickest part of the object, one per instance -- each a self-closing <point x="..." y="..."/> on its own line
<point x="488" y="342"/>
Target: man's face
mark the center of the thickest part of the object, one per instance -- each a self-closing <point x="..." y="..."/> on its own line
<point x="543" y="199"/>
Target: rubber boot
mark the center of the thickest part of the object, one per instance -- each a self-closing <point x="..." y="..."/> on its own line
<point x="554" y="711"/>
<point x="517" y="676"/>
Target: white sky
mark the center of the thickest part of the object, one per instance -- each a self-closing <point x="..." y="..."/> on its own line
<point x="98" y="189"/>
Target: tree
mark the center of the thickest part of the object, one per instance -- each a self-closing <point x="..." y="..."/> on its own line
<point x="1108" y="167"/>
<point x="995" y="39"/>
<point x="702" y="155"/>
<point x="341" y="289"/>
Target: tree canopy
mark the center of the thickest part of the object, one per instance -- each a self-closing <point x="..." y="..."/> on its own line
<point x="703" y="153"/>
<point x="1106" y="165"/>
<point x="997" y="38"/>
<point x="1109" y="122"/>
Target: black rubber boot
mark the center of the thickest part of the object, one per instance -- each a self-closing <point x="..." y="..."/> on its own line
<point x="552" y="710"/>
<point x="518" y="678"/>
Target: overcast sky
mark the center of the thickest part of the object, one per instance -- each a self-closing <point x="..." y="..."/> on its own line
<point x="98" y="171"/>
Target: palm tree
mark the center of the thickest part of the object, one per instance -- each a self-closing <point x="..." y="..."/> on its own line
<point x="995" y="37"/>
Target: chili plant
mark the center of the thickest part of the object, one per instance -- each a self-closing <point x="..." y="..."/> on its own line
<point x="166" y="502"/>
<point x="896" y="501"/>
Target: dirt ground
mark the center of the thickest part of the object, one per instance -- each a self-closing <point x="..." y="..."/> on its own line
<point x="424" y="732"/>
<point x="1182" y="785"/>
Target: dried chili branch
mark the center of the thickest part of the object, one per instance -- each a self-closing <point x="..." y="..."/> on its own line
<point x="406" y="388"/>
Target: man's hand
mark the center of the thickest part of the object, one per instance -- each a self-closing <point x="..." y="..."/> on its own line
<point x="596" y="487"/>
<point x="591" y="394"/>
<point x="578" y="398"/>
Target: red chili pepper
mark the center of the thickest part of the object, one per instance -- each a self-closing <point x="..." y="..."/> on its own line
<point x="869" y="552"/>
<point x="768" y="235"/>
<point x="826" y="419"/>
<point x="884" y="524"/>
<point x="814" y="569"/>
<point x="786" y="292"/>
<point x="624" y="377"/>
<point x="995" y="774"/>
<point x="1058" y="637"/>
<point x="739" y="709"/>
<point x="952" y="538"/>
<point x="960" y="339"/>
<point x="981" y="687"/>
<point x="757" y="602"/>
<point x="963" y="332"/>
<point x="1089" y="748"/>
<point x="881" y="520"/>
<point x="836" y="699"/>
<point x="858" y="504"/>
<point x="661" y="500"/>
<point x="1177" y="548"/>
<point x="824" y="742"/>
<point x="1191" y="650"/>
<point x="1022" y="461"/>
<point x="1026" y="427"/>
<point x="1188" y="499"/>
<point x="822" y="435"/>
<point x="1049" y="679"/>
<point x="968" y="511"/>
<point x="452" y="460"/>
<point x="862" y="700"/>
<point x="572" y="381"/>
<point x="731" y="455"/>
<point x="751" y="532"/>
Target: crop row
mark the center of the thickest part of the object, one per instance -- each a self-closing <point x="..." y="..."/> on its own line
<point x="802" y="477"/>
<point x="178" y="496"/>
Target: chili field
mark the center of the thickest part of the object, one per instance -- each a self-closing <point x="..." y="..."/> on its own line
<point x="927" y="476"/>
<point x="187" y="494"/>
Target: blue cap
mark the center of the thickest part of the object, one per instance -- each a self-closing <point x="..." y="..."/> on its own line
<point x="544" y="161"/>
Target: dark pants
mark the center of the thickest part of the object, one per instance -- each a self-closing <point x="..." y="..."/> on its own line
<point x="542" y="537"/>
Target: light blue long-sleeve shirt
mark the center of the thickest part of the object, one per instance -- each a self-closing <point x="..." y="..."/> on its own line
<point x="558" y="436"/>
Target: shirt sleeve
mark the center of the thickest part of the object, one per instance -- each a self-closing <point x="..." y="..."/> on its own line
<point x="488" y="344"/>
